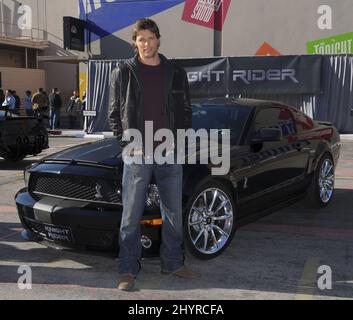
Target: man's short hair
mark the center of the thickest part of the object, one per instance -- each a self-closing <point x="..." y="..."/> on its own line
<point x="145" y="24"/>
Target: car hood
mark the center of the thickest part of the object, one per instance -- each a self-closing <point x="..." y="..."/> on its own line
<point x="103" y="152"/>
<point x="108" y="152"/>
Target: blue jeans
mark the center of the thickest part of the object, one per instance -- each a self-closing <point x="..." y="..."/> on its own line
<point x="54" y="117"/>
<point x="136" y="179"/>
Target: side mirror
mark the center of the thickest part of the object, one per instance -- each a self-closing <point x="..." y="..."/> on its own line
<point x="268" y="134"/>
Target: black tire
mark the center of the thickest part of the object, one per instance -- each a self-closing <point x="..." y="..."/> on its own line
<point x="14" y="155"/>
<point x="316" y="196"/>
<point x="216" y="194"/>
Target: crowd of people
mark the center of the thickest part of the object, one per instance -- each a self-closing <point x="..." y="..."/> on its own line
<point x="49" y="107"/>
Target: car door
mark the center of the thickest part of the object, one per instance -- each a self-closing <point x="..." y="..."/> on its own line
<point x="275" y="164"/>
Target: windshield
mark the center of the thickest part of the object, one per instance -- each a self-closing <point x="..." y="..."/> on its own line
<point x="221" y="116"/>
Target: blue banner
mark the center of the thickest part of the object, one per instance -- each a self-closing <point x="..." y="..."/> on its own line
<point x="108" y="16"/>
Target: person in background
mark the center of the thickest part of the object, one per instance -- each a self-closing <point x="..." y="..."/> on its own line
<point x="2" y="97"/>
<point x="84" y="100"/>
<point x="27" y="100"/>
<point x="74" y="109"/>
<point x="83" y="108"/>
<point x="59" y="111"/>
<point x="17" y="102"/>
<point x="38" y="102"/>
<point x="9" y="101"/>
<point x="55" y="104"/>
<point x="46" y="102"/>
<point x="45" y="110"/>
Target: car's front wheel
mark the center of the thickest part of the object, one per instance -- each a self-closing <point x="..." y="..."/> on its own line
<point x="209" y="221"/>
<point x="320" y="192"/>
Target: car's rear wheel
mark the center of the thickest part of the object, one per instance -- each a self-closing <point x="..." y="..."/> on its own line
<point x="320" y="192"/>
<point x="209" y="221"/>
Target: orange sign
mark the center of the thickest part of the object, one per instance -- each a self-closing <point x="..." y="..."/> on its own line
<point x="267" y="50"/>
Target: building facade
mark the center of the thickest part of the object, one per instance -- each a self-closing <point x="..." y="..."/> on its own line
<point x="31" y="46"/>
<point x="204" y="28"/>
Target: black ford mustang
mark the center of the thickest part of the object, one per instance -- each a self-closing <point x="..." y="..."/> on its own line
<point x="277" y="154"/>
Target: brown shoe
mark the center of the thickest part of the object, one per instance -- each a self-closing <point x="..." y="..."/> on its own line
<point x="187" y="273"/>
<point x="126" y="283"/>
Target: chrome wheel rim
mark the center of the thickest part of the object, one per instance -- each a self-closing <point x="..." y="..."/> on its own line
<point x="210" y="221"/>
<point x="326" y="180"/>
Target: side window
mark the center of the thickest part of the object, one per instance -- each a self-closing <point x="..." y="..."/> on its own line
<point x="302" y="121"/>
<point x="286" y="122"/>
<point x="280" y="118"/>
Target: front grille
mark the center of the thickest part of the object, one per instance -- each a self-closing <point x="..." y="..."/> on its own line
<point x="35" y="227"/>
<point x="75" y="187"/>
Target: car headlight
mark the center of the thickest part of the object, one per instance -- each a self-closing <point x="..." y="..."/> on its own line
<point x="26" y="175"/>
<point x="153" y="199"/>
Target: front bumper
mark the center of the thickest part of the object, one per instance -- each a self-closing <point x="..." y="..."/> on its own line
<point x="72" y="223"/>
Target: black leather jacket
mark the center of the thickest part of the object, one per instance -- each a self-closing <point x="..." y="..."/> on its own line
<point x="125" y="101"/>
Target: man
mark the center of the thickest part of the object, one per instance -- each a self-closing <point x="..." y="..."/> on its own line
<point x="9" y="101"/>
<point x="83" y="109"/>
<point x="2" y="96"/>
<point x="141" y="90"/>
<point x="39" y="101"/>
<point x="27" y="101"/>
<point x="84" y="100"/>
<point x="17" y="102"/>
<point x="55" y="104"/>
<point x="74" y="109"/>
